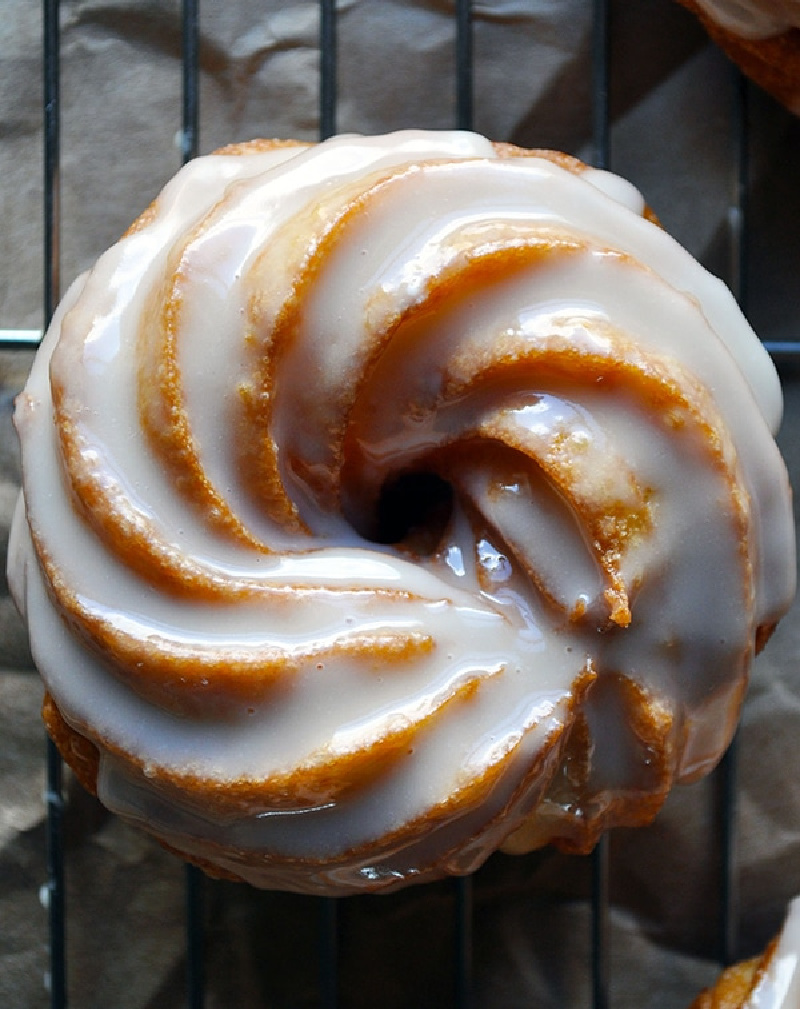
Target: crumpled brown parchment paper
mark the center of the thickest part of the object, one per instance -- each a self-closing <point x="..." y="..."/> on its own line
<point x="671" y="102"/>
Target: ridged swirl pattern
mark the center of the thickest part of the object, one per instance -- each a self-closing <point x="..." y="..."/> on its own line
<point x="393" y="499"/>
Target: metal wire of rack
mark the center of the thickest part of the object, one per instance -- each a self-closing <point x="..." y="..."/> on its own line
<point x="330" y="936"/>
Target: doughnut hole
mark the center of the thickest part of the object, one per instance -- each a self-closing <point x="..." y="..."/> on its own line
<point x="413" y="511"/>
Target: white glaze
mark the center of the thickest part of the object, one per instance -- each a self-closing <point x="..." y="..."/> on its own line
<point x="241" y="228"/>
<point x="779" y="986"/>
<point x="753" y="19"/>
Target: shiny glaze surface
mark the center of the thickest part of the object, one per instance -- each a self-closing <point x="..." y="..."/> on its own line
<point x="753" y="19"/>
<point x="779" y="985"/>
<point x="209" y="430"/>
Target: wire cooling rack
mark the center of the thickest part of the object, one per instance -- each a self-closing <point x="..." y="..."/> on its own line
<point x="330" y="933"/>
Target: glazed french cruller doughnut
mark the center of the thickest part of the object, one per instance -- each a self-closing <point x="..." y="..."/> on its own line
<point x="770" y="980"/>
<point x="393" y="500"/>
<point x="762" y="37"/>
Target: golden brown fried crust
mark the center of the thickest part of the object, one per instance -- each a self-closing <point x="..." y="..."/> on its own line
<point x="565" y="161"/>
<point x="503" y="150"/>
<point x="78" y="752"/>
<point x="259" y="146"/>
<point x="763" y="634"/>
<point x="83" y="758"/>
<point x="650" y="726"/>
<point x="773" y="63"/>
<point x="736" y="984"/>
<point x="83" y="755"/>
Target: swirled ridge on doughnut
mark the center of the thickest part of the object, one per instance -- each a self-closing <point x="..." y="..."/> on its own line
<point x="392" y="500"/>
